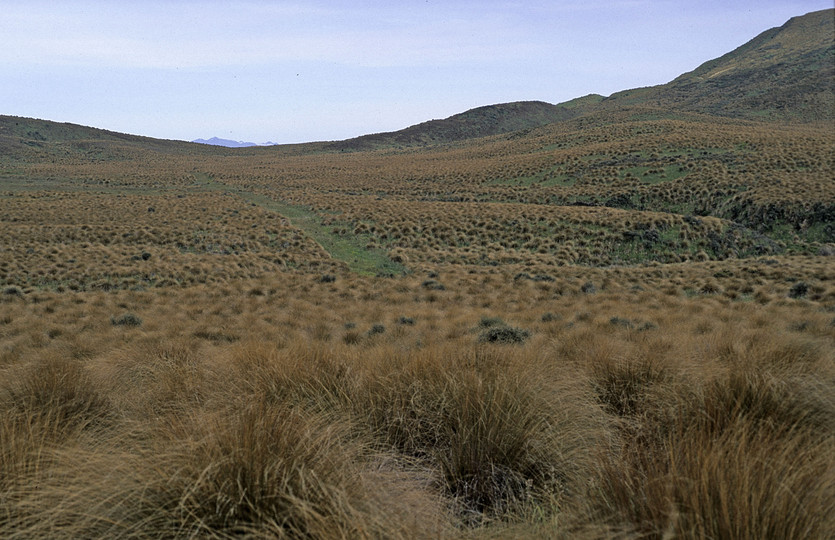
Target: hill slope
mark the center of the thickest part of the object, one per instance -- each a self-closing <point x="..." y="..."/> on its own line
<point x="30" y="139"/>
<point x="785" y="73"/>
<point x="478" y="122"/>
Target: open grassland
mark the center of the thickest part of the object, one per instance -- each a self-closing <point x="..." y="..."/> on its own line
<point x="94" y="240"/>
<point x="619" y="326"/>
<point x="688" y="187"/>
<point x="359" y="407"/>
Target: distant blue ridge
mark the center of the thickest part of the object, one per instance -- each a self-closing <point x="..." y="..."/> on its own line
<point x="215" y="141"/>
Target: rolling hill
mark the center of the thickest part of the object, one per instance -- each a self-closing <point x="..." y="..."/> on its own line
<point x="478" y="122"/>
<point x="785" y="73"/>
<point x="633" y="151"/>
<point x="31" y="139"/>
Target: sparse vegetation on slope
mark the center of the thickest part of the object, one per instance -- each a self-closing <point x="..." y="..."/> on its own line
<point x="785" y="73"/>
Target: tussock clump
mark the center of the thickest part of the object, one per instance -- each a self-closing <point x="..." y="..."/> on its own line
<point x="126" y="319"/>
<point x="492" y="431"/>
<point x="352" y="337"/>
<point x="313" y="377"/>
<point x="750" y="432"/>
<point x="490" y="322"/>
<point x="778" y="487"/>
<point x="433" y="285"/>
<point x="266" y="470"/>
<point x="55" y="390"/>
<point x="766" y="401"/>
<point x="504" y="335"/>
<point x="47" y="405"/>
<point x="799" y="290"/>
<point x="154" y="379"/>
<point x="640" y="326"/>
<point x="215" y="335"/>
<point x="624" y="386"/>
<point x="624" y="323"/>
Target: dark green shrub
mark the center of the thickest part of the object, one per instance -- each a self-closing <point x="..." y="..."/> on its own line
<point x="504" y="335"/>
<point x="126" y="319"/>
<point x="799" y="290"/>
<point x="433" y="285"/>
<point x="376" y="329"/>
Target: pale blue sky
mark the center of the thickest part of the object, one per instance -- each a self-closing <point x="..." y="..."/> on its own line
<point x="323" y="70"/>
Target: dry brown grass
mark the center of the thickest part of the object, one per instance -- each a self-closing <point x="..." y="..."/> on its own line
<point x="176" y="361"/>
<point x="626" y="413"/>
<point x="740" y="179"/>
<point x="139" y="241"/>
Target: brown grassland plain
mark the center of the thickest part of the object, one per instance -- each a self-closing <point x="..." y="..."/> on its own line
<point x="618" y="327"/>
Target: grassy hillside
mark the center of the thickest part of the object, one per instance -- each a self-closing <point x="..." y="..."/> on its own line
<point x="478" y="122"/>
<point x="785" y="73"/>
<point x="625" y="188"/>
<point x="41" y="133"/>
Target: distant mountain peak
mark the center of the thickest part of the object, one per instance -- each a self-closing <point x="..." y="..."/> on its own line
<point x="216" y="141"/>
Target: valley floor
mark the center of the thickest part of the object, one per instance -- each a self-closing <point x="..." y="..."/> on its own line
<point x="617" y="326"/>
<point x="691" y="400"/>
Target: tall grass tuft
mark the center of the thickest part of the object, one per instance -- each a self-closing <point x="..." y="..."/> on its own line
<point x="266" y="468"/>
<point x="624" y="385"/>
<point x="56" y="390"/>
<point x="741" y="453"/>
<point x="493" y="429"/>
<point x="44" y="405"/>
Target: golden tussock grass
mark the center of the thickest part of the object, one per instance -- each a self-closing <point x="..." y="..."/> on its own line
<point x="677" y="415"/>
<point x="606" y="330"/>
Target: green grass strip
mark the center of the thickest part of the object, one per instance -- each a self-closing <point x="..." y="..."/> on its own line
<point x="351" y="250"/>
